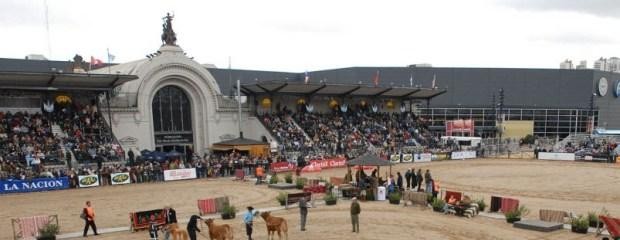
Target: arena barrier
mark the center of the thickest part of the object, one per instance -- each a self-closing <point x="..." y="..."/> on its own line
<point x="141" y="220"/>
<point x="282" y="167"/>
<point x="88" y="181"/>
<point x="463" y="155"/>
<point x="120" y="178"/>
<point x="556" y="156"/>
<point x="212" y="205"/>
<point x="34" y="185"/>
<point x="422" y="157"/>
<point x="180" y="174"/>
<point x="27" y="228"/>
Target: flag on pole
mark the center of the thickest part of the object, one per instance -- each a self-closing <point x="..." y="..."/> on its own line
<point x="111" y="58"/>
<point x="411" y="81"/>
<point x="94" y="62"/>
<point x="306" y="77"/>
<point x="433" y="84"/>
<point x="376" y="79"/>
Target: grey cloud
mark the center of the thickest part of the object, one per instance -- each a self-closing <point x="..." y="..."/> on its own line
<point x="577" y="38"/>
<point x="604" y="8"/>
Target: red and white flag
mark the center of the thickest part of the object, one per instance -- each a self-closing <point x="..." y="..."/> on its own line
<point x="375" y="80"/>
<point x="94" y="62"/>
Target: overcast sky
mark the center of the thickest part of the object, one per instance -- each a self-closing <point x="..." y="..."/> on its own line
<point x="320" y="34"/>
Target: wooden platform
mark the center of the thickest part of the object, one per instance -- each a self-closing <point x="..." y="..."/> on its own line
<point x="283" y="186"/>
<point x="538" y="225"/>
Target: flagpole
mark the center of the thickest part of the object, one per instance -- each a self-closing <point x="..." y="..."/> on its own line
<point x="108" y="50"/>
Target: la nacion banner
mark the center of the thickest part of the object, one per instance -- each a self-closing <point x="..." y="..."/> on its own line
<point x="34" y="185"/>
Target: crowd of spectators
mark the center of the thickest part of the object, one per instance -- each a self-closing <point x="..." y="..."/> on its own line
<point x="282" y="127"/>
<point x="28" y="144"/>
<point x="339" y="133"/>
<point x="26" y="140"/>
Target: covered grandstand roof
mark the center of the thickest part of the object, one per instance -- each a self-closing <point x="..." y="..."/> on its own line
<point x="300" y="88"/>
<point x="61" y="81"/>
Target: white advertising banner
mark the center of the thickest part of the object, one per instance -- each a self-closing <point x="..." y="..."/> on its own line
<point x="407" y="158"/>
<point x="556" y="156"/>
<point x="179" y="174"/>
<point x="88" y="181"/>
<point x="395" y="158"/>
<point x="120" y="178"/>
<point x="423" y="157"/>
<point x="463" y="155"/>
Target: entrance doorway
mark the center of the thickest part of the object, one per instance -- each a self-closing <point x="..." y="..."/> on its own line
<point x="172" y="121"/>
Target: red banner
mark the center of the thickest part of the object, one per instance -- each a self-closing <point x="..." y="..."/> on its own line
<point x="460" y="126"/>
<point x="282" y="167"/>
<point x="327" y="163"/>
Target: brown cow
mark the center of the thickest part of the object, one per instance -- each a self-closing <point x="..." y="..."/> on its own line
<point x="275" y="224"/>
<point x="176" y="232"/>
<point x="219" y="232"/>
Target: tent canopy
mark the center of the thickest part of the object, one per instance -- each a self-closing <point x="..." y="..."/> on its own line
<point x="369" y="160"/>
<point x="241" y="144"/>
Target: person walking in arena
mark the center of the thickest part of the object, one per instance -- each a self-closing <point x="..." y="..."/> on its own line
<point x="171" y="218"/>
<point x="192" y="226"/>
<point x="89" y="218"/>
<point x="355" y="212"/>
<point x="248" y="219"/>
<point x="303" y="212"/>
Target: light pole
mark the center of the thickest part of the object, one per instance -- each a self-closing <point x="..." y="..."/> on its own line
<point x="500" y="119"/>
<point x="591" y="113"/>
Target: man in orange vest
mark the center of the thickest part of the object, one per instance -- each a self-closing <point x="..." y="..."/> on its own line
<point x="89" y="218"/>
<point x="260" y="172"/>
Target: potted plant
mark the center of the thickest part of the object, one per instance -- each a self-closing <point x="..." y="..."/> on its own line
<point x="229" y="211"/>
<point x="429" y="198"/>
<point x="438" y="204"/>
<point x="593" y="218"/>
<point x="515" y="215"/>
<point x="288" y="178"/>
<point x="481" y="205"/>
<point x="579" y="224"/>
<point x="281" y="198"/>
<point x="273" y="179"/>
<point x="299" y="183"/>
<point x="330" y="199"/>
<point x="394" y="198"/>
<point x="48" y="232"/>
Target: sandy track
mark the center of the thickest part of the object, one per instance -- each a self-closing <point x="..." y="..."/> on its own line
<point x="575" y="187"/>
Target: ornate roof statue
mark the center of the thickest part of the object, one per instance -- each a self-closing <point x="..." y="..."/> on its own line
<point x="168" y="37"/>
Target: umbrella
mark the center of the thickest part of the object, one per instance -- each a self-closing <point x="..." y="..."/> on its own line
<point x="173" y="154"/>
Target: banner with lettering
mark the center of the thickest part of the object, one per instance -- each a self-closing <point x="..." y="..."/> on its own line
<point x="282" y="167"/>
<point x="120" y="178"/>
<point x="33" y="185"/>
<point x="88" y="181"/>
<point x="179" y="174"/>
<point x="407" y="158"/>
<point x="326" y="163"/>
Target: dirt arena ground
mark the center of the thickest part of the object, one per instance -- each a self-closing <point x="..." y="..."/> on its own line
<point x="569" y="186"/>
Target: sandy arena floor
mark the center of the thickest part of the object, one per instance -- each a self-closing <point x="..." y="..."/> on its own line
<point x="573" y="187"/>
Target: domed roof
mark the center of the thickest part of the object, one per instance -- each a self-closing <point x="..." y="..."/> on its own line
<point x="167" y="55"/>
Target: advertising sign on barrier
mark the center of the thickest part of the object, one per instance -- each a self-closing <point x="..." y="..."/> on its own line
<point x="34" y="185"/>
<point x="120" y="178"/>
<point x="282" y="167"/>
<point x="422" y="157"/>
<point x="327" y="163"/>
<point x="179" y="174"/>
<point x="556" y="156"/>
<point x="395" y="158"/>
<point x="463" y="155"/>
<point x="407" y="158"/>
<point x="88" y="181"/>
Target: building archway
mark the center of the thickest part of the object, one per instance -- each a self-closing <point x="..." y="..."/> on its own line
<point x="172" y="121"/>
